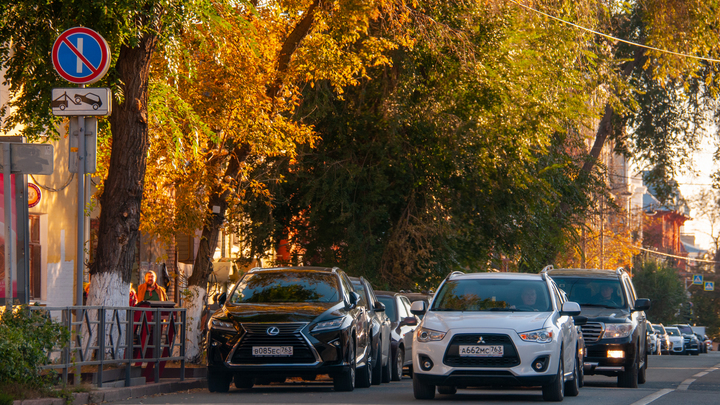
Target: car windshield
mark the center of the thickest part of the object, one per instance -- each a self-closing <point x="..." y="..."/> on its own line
<point x="389" y="303"/>
<point x="591" y="292"/>
<point x="493" y="295"/>
<point x="684" y="329"/>
<point x="290" y="286"/>
<point x="673" y="332"/>
<point x="659" y="329"/>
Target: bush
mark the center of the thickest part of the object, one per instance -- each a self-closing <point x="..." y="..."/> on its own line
<point x="26" y="339"/>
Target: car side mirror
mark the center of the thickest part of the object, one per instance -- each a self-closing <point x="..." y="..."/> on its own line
<point x="642" y="304"/>
<point x="221" y="299"/>
<point x="354" y="298"/>
<point x="580" y="320"/>
<point x="409" y="321"/>
<point x="379" y="306"/>
<point x="418" y="307"/>
<point x="570" y="308"/>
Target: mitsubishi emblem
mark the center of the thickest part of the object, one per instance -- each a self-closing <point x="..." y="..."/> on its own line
<point x="273" y="330"/>
<point x="481" y="340"/>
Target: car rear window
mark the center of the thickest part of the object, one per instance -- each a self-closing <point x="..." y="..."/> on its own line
<point x="492" y="295"/>
<point x="590" y="291"/>
<point x="659" y="329"/>
<point x="271" y="287"/>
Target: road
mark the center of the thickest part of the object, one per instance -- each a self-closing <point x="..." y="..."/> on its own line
<point x="671" y="380"/>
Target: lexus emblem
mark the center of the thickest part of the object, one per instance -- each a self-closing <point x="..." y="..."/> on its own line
<point x="481" y="340"/>
<point x="273" y="330"/>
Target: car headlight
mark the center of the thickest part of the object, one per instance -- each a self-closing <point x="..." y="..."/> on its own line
<point x="539" y="336"/>
<point x="336" y="323"/>
<point x="429" y="335"/>
<point x="617" y="330"/>
<point x="218" y="324"/>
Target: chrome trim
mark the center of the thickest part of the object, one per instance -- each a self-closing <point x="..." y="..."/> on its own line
<point x="302" y="326"/>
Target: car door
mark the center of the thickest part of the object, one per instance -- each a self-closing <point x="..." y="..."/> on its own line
<point x="567" y="325"/>
<point x="406" y="331"/>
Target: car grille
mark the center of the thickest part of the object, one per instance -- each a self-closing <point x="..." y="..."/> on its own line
<point x="510" y="357"/>
<point x="289" y="335"/>
<point x="592" y="331"/>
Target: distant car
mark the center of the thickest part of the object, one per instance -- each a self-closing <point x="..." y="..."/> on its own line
<point x="403" y="324"/>
<point x="419" y="296"/>
<point x="652" y="340"/>
<point x="708" y="343"/>
<point x="691" y="343"/>
<point x="677" y="341"/>
<point x="662" y="338"/>
<point x="378" y="325"/>
<point x="701" y="340"/>
<point x="89" y="98"/>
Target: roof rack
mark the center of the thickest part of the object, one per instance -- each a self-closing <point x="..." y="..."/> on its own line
<point x="620" y="270"/>
<point x="547" y="268"/>
<point x="454" y="273"/>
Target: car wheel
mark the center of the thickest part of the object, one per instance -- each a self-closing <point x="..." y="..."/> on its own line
<point x="243" y="382"/>
<point x="555" y="391"/>
<point x="572" y="387"/>
<point x="363" y="376"/>
<point x="377" y="370"/>
<point x="422" y="390"/>
<point x="446" y="389"/>
<point x="642" y="373"/>
<point x="629" y="377"/>
<point x="345" y="381"/>
<point x="218" y="381"/>
<point x="387" y="371"/>
<point x="397" y="364"/>
<point x="581" y="373"/>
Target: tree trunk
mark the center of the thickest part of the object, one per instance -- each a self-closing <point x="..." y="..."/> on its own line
<point x="120" y="201"/>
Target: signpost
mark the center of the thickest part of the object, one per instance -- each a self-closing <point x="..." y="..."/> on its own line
<point x="81" y="56"/>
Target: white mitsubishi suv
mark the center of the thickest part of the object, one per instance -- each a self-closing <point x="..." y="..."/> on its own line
<point x="497" y="329"/>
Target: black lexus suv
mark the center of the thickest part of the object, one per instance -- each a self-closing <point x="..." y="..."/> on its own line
<point x="615" y="333"/>
<point x="287" y="322"/>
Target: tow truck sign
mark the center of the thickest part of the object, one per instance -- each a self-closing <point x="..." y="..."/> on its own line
<point x="81" y="101"/>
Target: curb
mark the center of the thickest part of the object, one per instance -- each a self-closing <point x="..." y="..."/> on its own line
<point x="119" y="394"/>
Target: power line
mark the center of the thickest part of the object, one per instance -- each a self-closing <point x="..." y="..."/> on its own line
<point x="615" y="38"/>
<point x="674" y="256"/>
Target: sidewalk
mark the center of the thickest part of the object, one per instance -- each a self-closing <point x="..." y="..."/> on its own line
<point x="99" y="395"/>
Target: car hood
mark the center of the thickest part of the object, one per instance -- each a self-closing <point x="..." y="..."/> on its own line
<point x="609" y="315"/>
<point x="285" y="312"/>
<point x="517" y="321"/>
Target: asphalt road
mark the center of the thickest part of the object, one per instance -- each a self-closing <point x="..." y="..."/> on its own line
<point x="671" y="380"/>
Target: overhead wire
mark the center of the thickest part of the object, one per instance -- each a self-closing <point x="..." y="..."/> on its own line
<point x="602" y="34"/>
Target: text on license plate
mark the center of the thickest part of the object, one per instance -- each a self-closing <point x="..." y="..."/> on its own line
<point x="481" y="351"/>
<point x="272" y="351"/>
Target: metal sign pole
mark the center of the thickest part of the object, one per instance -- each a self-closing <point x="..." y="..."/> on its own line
<point x="8" y="225"/>
<point x="80" y="211"/>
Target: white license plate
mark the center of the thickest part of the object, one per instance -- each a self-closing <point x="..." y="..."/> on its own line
<point x="272" y="351"/>
<point x="481" y="351"/>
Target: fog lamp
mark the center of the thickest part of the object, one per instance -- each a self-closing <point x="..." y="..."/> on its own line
<point x="616" y="354"/>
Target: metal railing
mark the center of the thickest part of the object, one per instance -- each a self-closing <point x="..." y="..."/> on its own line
<point x="99" y="337"/>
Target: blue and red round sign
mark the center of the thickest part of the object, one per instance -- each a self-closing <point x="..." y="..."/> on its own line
<point x="80" y="55"/>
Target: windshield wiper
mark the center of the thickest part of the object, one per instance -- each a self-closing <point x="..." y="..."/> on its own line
<point x="502" y="309"/>
<point x="597" y="305"/>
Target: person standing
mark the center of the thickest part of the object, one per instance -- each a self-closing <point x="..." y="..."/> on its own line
<point x="150" y="290"/>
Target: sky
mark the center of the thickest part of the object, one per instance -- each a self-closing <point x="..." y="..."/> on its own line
<point x="691" y="184"/>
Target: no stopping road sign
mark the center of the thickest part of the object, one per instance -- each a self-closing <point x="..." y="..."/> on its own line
<point x="80" y="55"/>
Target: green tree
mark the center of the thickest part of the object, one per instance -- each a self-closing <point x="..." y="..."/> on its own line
<point x="660" y="283"/>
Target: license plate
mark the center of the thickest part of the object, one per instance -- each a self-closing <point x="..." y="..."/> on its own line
<point x="272" y="351"/>
<point x="481" y="351"/>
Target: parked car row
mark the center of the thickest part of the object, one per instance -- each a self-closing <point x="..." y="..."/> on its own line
<point x="478" y="329"/>
<point x="677" y="339"/>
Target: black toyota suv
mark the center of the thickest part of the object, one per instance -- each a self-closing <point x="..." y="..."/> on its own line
<point x="287" y="322"/>
<point x="615" y="335"/>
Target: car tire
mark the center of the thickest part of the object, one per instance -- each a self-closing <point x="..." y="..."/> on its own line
<point x="629" y="377"/>
<point x="581" y="371"/>
<point x="642" y="373"/>
<point x="572" y="387"/>
<point x="377" y="371"/>
<point x="242" y="382"/>
<point x="345" y="381"/>
<point x="446" y="389"/>
<point x="397" y="364"/>
<point x="422" y="390"/>
<point x="387" y="370"/>
<point x="218" y="381"/>
<point x="555" y="391"/>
